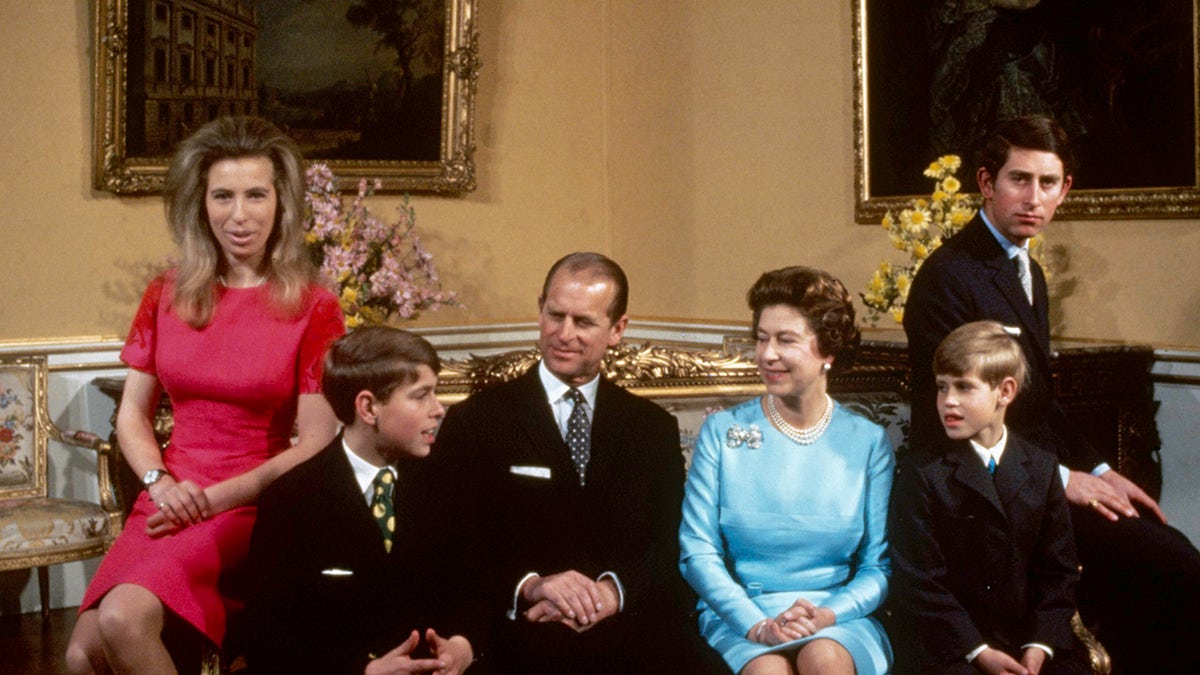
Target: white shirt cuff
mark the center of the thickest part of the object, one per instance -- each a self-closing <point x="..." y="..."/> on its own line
<point x="512" y="613"/>
<point x="620" y="588"/>
<point x="1045" y="648"/>
<point x="976" y="652"/>
<point x="1101" y="468"/>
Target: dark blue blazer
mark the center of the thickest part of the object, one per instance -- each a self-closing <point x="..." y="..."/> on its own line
<point x="977" y="559"/>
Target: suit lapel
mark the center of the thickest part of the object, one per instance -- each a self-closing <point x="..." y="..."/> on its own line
<point x="966" y="468"/>
<point x="606" y="428"/>
<point x="531" y="410"/>
<point x="1012" y="475"/>
<point x="353" y="503"/>
<point x="1008" y="285"/>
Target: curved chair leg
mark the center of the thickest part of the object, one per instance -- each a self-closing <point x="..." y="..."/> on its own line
<point x="43" y="574"/>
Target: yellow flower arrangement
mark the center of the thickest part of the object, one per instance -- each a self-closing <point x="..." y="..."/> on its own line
<point x="918" y="231"/>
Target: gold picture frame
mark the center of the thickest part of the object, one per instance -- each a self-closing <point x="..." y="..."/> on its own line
<point x="891" y="147"/>
<point x="119" y="168"/>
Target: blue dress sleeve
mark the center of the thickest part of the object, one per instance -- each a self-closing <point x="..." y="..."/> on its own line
<point x="865" y="592"/>
<point x="702" y="552"/>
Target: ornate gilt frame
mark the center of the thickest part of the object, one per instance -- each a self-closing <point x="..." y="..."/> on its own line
<point x="1175" y="201"/>
<point x="664" y="372"/>
<point x="454" y="172"/>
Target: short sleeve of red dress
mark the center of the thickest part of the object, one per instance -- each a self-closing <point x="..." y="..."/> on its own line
<point x="326" y="325"/>
<point x="143" y="334"/>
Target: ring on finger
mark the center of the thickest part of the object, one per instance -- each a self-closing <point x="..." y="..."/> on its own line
<point x="1094" y="503"/>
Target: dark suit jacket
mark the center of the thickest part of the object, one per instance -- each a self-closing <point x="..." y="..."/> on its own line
<point x="625" y="520"/>
<point x="304" y="617"/>
<point x="980" y="560"/>
<point x="969" y="278"/>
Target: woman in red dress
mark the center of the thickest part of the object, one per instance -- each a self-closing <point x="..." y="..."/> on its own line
<point x="234" y="334"/>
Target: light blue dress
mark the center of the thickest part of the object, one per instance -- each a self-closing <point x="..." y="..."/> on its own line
<point x="793" y="521"/>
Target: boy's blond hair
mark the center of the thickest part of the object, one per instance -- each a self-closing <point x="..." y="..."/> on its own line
<point x="983" y="349"/>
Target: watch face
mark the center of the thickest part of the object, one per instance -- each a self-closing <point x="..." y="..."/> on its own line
<point x="152" y="476"/>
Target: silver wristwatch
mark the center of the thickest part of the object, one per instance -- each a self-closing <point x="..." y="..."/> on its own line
<point x="153" y="476"/>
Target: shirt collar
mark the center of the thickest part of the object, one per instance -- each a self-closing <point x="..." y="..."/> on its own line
<point x="1010" y="249"/>
<point x="364" y="471"/>
<point x="996" y="450"/>
<point x="556" y="388"/>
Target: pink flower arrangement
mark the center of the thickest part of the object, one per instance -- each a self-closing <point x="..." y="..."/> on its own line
<point x="378" y="269"/>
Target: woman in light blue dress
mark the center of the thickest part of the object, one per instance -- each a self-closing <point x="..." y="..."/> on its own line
<point x="783" y="534"/>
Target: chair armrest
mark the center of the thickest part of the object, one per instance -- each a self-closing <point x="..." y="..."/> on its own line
<point x="1097" y="655"/>
<point x="106" y="467"/>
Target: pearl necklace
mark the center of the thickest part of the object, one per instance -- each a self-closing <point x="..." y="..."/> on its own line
<point x="262" y="279"/>
<point x="802" y="436"/>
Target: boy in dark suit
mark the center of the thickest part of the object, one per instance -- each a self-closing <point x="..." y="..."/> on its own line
<point x="982" y="548"/>
<point x="347" y="574"/>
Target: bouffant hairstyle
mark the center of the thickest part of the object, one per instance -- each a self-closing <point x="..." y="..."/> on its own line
<point x="378" y="359"/>
<point x="983" y="349"/>
<point x="289" y="269"/>
<point x="821" y="299"/>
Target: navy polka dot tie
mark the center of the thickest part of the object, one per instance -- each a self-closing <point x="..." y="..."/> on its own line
<point x="579" y="433"/>
<point x="381" y="506"/>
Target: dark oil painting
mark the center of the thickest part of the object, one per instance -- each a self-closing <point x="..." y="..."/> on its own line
<point x="347" y="79"/>
<point x="1119" y="76"/>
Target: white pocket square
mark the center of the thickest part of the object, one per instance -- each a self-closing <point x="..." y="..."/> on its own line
<point x="336" y="572"/>
<point x="531" y="471"/>
<point x="1014" y="331"/>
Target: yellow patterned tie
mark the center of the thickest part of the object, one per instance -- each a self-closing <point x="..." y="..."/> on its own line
<point x="381" y="506"/>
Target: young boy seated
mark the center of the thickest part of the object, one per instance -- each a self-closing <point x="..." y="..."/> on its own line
<point x="983" y="556"/>
<point x="347" y="579"/>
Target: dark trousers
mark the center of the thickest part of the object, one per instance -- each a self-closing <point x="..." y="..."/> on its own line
<point x="1140" y="591"/>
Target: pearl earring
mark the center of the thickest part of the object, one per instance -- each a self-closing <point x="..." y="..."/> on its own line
<point x="827" y="366"/>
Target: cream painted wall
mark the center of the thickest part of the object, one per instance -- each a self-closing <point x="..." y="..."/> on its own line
<point x="699" y="142"/>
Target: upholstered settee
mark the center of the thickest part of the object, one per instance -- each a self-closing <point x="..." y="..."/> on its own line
<point x="691" y="383"/>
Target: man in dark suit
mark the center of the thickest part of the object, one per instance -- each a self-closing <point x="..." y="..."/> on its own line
<point x="348" y="576"/>
<point x="1134" y="566"/>
<point x="982" y="549"/>
<point x="573" y="499"/>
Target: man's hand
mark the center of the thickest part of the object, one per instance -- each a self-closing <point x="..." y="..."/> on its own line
<point x="1111" y="495"/>
<point x="996" y="662"/>
<point x="545" y="611"/>
<point x="398" y="660"/>
<point x="1033" y="659"/>
<point x="454" y="651"/>
<point x="570" y="594"/>
<point x="1132" y="493"/>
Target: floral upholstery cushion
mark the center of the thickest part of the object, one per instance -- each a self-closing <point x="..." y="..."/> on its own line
<point x="16" y="431"/>
<point x="50" y="526"/>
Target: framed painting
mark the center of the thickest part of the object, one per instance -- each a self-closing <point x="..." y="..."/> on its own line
<point x="1121" y="78"/>
<point x="374" y="89"/>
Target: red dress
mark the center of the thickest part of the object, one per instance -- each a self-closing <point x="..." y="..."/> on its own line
<point x="233" y="386"/>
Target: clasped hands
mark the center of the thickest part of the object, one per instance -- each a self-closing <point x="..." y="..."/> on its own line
<point x="179" y="504"/>
<point x="571" y="599"/>
<point x="801" y="620"/>
<point x="451" y="656"/>
<point x="996" y="662"/>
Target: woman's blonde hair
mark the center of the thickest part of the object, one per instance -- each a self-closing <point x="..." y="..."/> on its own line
<point x="289" y="269"/>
